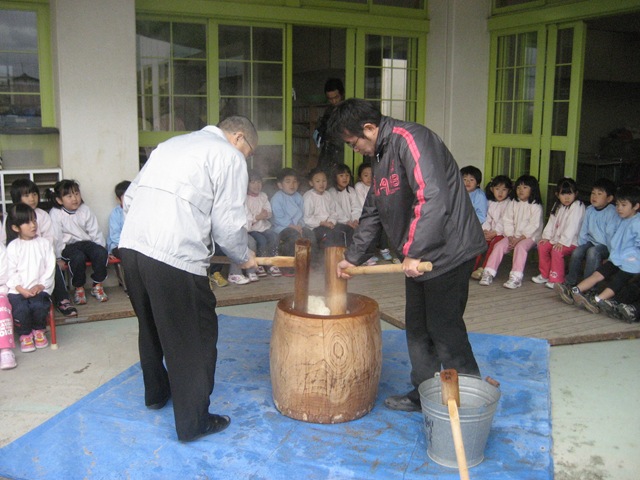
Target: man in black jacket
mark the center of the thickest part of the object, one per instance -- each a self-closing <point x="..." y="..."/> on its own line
<point x="331" y="154"/>
<point x="418" y="198"/>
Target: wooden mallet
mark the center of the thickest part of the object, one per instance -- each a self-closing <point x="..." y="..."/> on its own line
<point x="451" y="398"/>
<point x="335" y="289"/>
<point x="302" y="262"/>
<point x="277" y="261"/>
<point x="387" y="268"/>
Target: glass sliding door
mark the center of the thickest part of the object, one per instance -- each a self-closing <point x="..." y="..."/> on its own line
<point x="390" y="74"/>
<point x="251" y="83"/>
<point x="195" y="73"/>
<point x="534" y="104"/>
<point x="514" y="119"/>
<point x="562" y="98"/>
<point x="172" y="76"/>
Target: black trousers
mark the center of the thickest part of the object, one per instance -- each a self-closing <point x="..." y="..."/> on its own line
<point x="60" y="292"/>
<point x="77" y="254"/>
<point x="178" y="323"/>
<point x="29" y="313"/>
<point x="436" y="334"/>
<point x="339" y="236"/>
<point x="287" y="244"/>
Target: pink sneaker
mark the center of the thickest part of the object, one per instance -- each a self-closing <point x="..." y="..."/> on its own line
<point x="26" y="343"/>
<point x="7" y="359"/>
<point x="40" y="338"/>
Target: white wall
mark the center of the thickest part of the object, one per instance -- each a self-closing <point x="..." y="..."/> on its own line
<point x="94" y="62"/>
<point x="458" y="48"/>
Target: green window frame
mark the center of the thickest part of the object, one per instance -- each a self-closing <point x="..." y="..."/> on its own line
<point x="534" y="98"/>
<point x="259" y="79"/>
<point x="251" y="74"/>
<point x="26" y="96"/>
<point x="391" y="74"/>
<point x="249" y="79"/>
<point x="171" y="75"/>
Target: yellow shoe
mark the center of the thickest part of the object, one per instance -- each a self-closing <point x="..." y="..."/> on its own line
<point x="218" y="280"/>
<point x="477" y="275"/>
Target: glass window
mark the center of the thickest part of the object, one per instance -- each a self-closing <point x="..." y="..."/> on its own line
<point x="562" y="86"/>
<point x="512" y="162"/>
<point x="172" y="76"/>
<point x="515" y="85"/>
<point x="251" y="74"/>
<point x="391" y="75"/>
<point x="20" y="104"/>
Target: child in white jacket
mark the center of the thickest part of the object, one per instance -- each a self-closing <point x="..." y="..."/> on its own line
<point x="499" y="196"/>
<point x="320" y="213"/>
<point x="258" y="224"/>
<point x="31" y="264"/>
<point x="523" y="222"/>
<point x="560" y="235"/>
<point x="345" y="196"/>
<point x="82" y="239"/>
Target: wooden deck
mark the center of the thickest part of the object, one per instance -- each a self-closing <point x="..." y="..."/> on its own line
<point x="530" y="311"/>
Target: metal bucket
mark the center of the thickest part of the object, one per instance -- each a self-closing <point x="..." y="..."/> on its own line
<point x="478" y="403"/>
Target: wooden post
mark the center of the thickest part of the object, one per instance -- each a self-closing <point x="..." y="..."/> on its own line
<point x="335" y="288"/>
<point x="301" y="283"/>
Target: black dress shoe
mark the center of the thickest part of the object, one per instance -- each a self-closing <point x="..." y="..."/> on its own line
<point x="216" y="423"/>
<point x="402" y="403"/>
<point x="159" y="405"/>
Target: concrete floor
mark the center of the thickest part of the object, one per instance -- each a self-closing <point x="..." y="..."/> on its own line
<point x="595" y="391"/>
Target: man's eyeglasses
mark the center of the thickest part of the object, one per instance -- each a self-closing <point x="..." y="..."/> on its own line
<point x="250" y="146"/>
<point x="354" y="145"/>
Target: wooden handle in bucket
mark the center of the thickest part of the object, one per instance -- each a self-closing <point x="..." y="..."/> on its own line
<point x="451" y="398"/>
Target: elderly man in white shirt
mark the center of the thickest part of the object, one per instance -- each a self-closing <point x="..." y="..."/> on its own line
<point x="190" y="194"/>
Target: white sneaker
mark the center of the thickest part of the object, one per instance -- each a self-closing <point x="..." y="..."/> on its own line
<point x="275" y="271"/>
<point x="487" y="279"/>
<point x="260" y="271"/>
<point x="540" y="279"/>
<point x="372" y="261"/>
<point x="253" y="277"/>
<point x="386" y="254"/>
<point x="550" y="285"/>
<point x="238" y="279"/>
<point x="513" y="282"/>
<point x="7" y="359"/>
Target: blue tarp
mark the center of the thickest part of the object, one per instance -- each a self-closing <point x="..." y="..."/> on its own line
<point x="109" y="434"/>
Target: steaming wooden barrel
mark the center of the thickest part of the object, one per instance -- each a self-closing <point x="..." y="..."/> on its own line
<point x="326" y="369"/>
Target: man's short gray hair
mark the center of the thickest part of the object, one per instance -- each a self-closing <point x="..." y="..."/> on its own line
<point x="238" y="123"/>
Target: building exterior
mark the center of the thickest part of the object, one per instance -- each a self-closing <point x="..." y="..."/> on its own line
<point x="499" y="80"/>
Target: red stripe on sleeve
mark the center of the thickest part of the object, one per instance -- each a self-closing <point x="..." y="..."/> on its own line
<point x="417" y="175"/>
